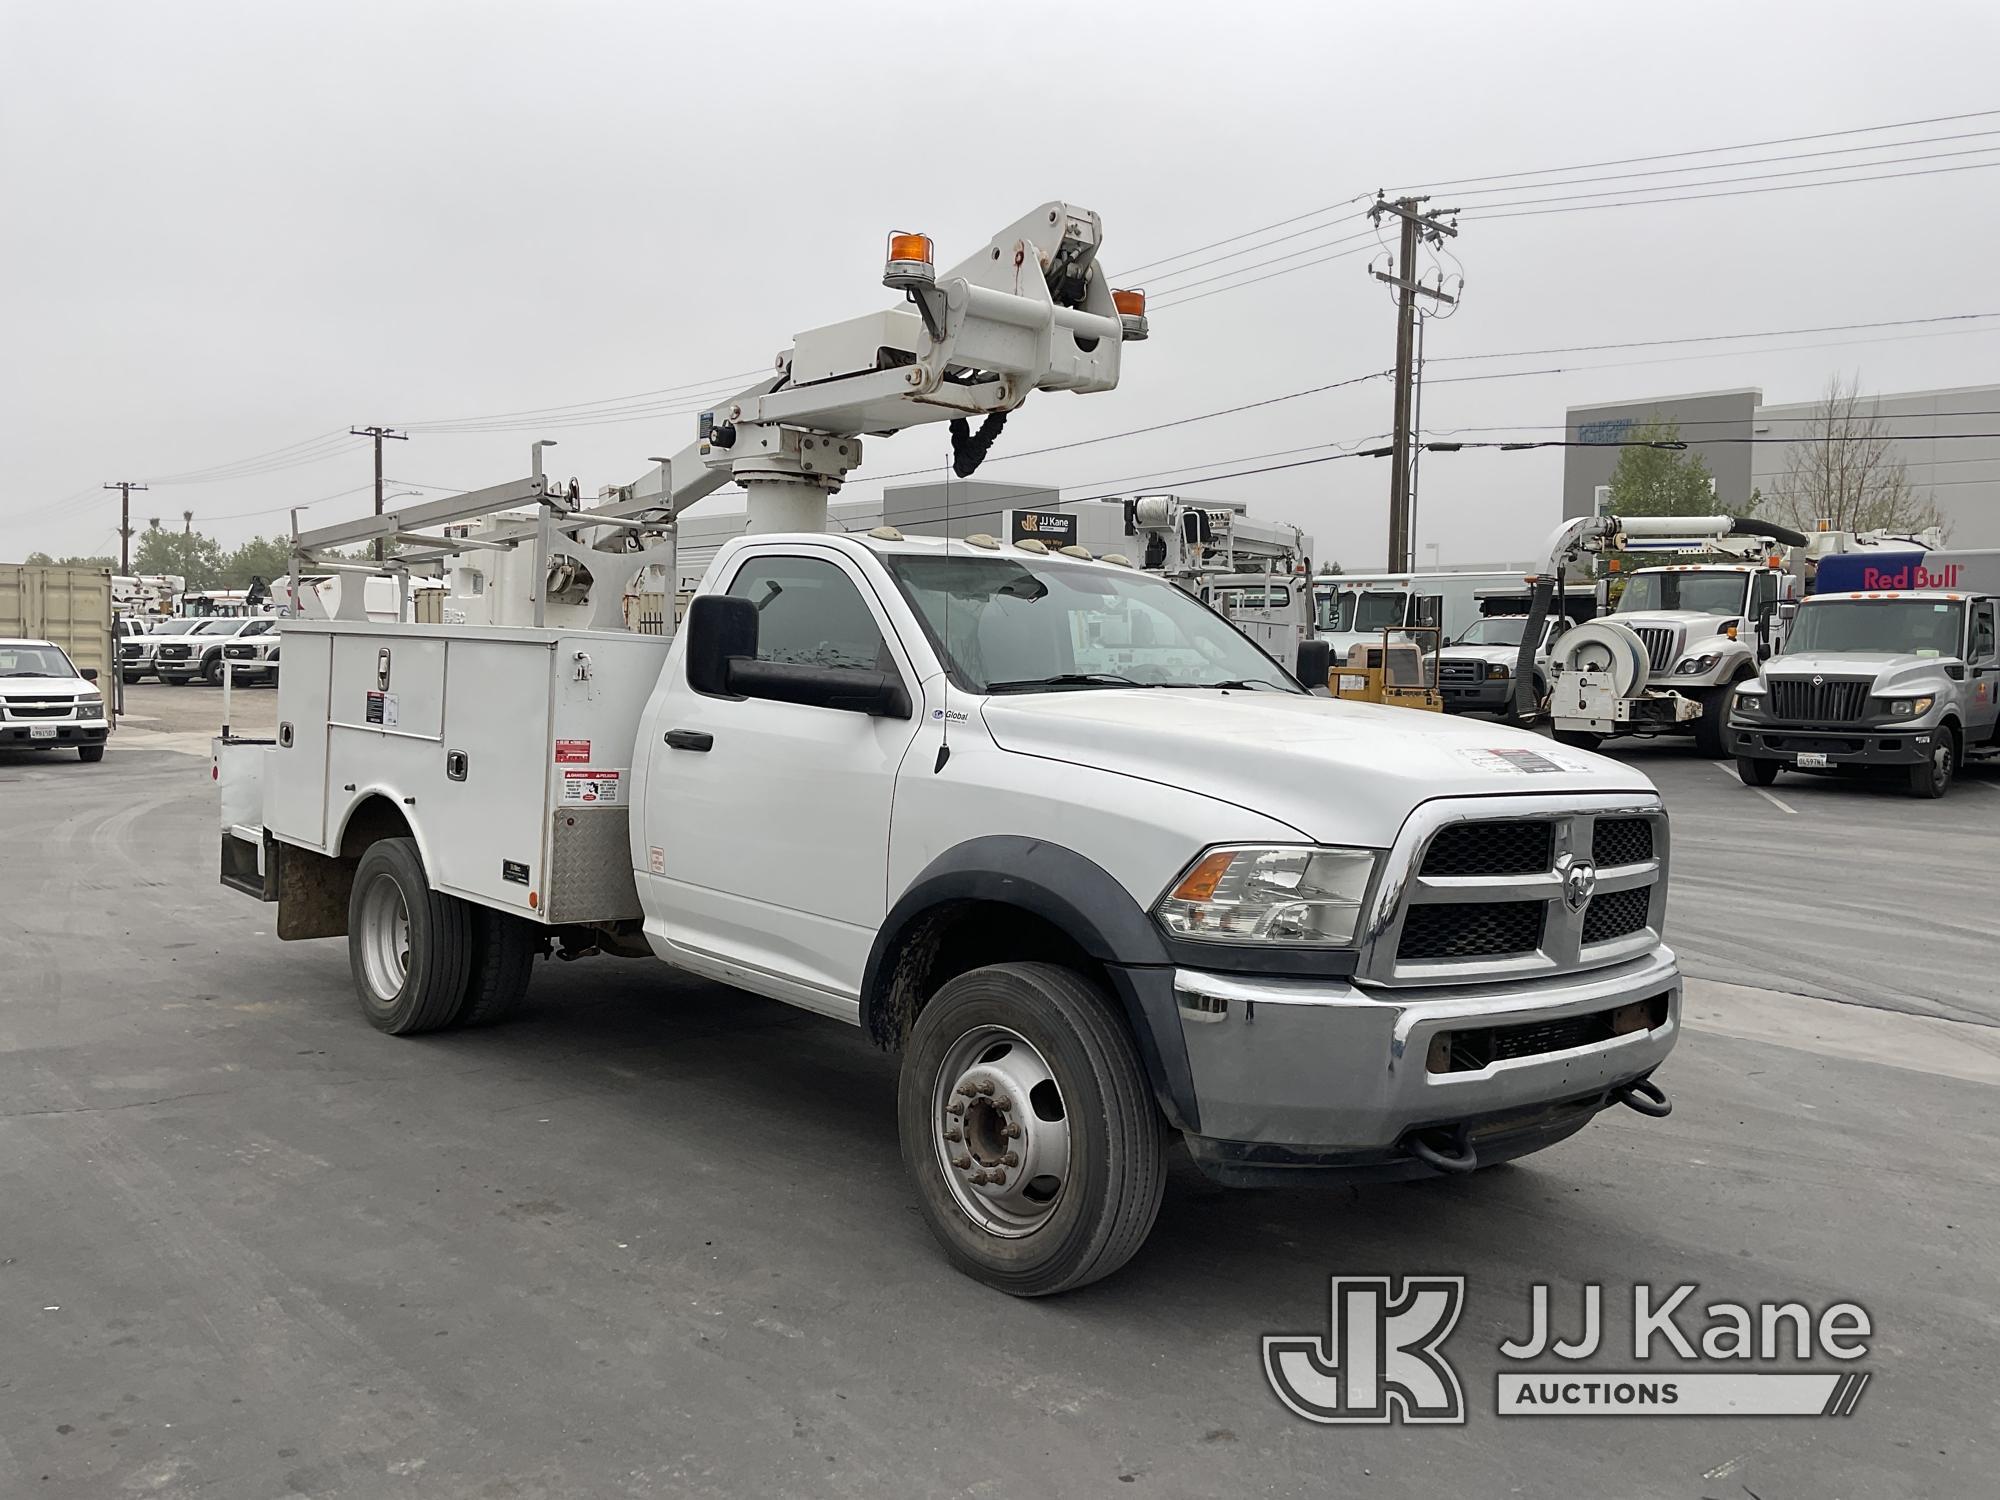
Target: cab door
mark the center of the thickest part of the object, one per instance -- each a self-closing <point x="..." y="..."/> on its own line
<point x="1982" y="667"/>
<point x="767" y="823"/>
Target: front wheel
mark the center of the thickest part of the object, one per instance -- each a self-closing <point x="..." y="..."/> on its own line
<point x="90" y="754"/>
<point x="211" y="671"/>
<point x="410" y="948"/>
<point x="175" y="681"/>
<point x="1029" y="1129"/>
<point x="1756" y="772"/>
<point x="1711" y="730"/>
<point x="1931" y="777"/>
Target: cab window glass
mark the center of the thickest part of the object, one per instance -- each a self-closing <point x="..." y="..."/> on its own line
<point x="810" y="613"/>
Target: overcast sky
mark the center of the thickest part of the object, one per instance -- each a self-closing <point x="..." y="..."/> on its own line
<point x="229" y="229"/>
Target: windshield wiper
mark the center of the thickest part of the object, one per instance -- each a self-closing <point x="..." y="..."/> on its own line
<point x="1254" y="685"/>
<point x="1068" y="679"/>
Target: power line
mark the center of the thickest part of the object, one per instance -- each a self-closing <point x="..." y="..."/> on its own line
<point x="1789" y="187"/>
<point x="1716" y="338"/>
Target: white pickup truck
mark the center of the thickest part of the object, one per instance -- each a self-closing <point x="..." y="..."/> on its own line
<point x="887" y="779"/>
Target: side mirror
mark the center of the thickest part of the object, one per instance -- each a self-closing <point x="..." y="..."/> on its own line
<point x="1430" y="612"/>
<point x="88" y="674"/>
<point x="719" y="627"/>
<point x="1788" y="610"/>
<point x="1315" y="664"/>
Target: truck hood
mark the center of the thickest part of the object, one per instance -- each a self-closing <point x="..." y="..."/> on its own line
<point x="46" y="687"/>
<point x="1695" y="625"/>
<point x="1338" y="772"/>
<point x="1889" y="669"/>
<point x="1504" y="654"/>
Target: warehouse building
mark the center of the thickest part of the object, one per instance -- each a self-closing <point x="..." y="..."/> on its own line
<point x="1936" y="435"/>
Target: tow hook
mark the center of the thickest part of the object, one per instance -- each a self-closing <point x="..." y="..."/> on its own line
<point x="1645" y="1096"/>
<point x="1458" y="1158"/>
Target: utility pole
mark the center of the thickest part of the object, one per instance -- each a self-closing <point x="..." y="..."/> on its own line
<point x="125" y="488"/>
<point x="1417" y="226"/>
<point x="378" y="433"/>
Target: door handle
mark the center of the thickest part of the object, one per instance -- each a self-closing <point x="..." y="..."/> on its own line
<point x="689" y="739"/>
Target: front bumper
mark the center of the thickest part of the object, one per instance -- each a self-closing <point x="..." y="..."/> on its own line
<point x="1859" y="745"/>
<point x="1299" y="1077"/>
<point x="1483" y="697"/>
<point x="69" y="732"/>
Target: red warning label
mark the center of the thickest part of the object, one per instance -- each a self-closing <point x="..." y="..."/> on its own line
<point x="572" y="752"/>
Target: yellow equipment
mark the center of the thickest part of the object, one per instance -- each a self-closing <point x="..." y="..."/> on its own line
<point x="1400" y="671"/>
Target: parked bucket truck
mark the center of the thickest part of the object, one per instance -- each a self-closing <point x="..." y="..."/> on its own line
<point x="1092" y="902"/>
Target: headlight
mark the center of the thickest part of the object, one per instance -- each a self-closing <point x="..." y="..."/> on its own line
<point x="1909" y="708"/>
<point x="1310" y="897"/>
<point x="1751" y="696"/>
<point x="1498" y="669"/>
<point x="90" y="708"/>
<point x="1690" y="666"/>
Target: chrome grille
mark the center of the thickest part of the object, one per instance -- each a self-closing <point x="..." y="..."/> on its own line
<point x="1835" y="700"/>
<point x="174" y="652"/>
<point x="39" y="708"/>
<point x="1616" y="914"/>
<point x="243" y="652"/>
<point x="1476" y="890"/>
<point x="1663" y="646"/>
<point x="130" y="649"/>
<point x="1499" y="848"/>
<point x="1621" y="841"/>
<point x="1460" y="671"/>
<point x="1485" y="929"/>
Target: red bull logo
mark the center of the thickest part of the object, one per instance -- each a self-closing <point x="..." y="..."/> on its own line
<point x="1912" y="575"/>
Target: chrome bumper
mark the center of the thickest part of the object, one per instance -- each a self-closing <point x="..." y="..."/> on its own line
<point x="1336" y="1070"/>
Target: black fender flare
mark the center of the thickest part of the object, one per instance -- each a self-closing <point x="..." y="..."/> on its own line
<point x="1081" y="899"/>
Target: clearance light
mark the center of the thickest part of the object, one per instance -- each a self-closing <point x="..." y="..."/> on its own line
<point x="910" y="262"/>
<point x="1131" y="314"/>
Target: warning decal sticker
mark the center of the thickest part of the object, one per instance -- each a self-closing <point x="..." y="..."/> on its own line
<point x="1513" y="761"/>
<point x="572" y="752"/>
<point x="589" y="786"/>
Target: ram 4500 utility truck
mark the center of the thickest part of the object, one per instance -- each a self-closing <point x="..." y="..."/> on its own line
<point x="1099" y="869"/>
<point x="1909" y="679"/>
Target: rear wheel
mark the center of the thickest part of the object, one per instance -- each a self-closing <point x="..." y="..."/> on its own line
<point x="1029" y="1129"/>
<point x="90" y="754"/>
<point x="211" y="671"/>
<point x="1932" y="777"/>
<point x="131" y="677"/>
<point x="1579" y="739"/>
<point x="175" y="681"/>
<point x="1756" y="772"/>
<point x="503" y="961"/>
<point x="410" y="948"/>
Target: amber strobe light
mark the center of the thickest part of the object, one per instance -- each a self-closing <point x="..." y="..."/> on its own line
<point x="909" y="263"/>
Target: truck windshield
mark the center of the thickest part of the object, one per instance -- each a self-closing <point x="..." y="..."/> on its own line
<point x="1699" y="593"/>
<point x="1369" y="612"/>
<point x="1503" y="631"/>
<point x="1919" y="627"/>
<point x="34" y="661"/>
<point x="1008" y="624"/>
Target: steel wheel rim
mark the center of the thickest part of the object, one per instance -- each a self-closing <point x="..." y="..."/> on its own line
<point x="1000" y="1126"/>
<point x="385" y="939"/>
<point x="1941" y="759"/>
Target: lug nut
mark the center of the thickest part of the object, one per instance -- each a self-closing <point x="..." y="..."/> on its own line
<point x="954" y="1109"/>
<point x="961" y="1162"/>
<point x="1011" y="1159"/>
<point x="954" y="1134"/>
<point x="983" y="1086"/>
<point x="1003" y="1103"/>
<point x="978" y="1179"/>
<point x="968" y="1090"/>
<point x="1012" y="1132"/>
<point x="997" y="1177"/>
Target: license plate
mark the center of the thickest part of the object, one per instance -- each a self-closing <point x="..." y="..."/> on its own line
<point x="1812" y="760"/>
<point x="41" y="731"/>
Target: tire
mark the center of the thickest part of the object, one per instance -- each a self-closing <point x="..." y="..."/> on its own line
<point x="1711" y="730"/>
<point x="504" y="948"/>
<point x="1054" y="1047"/>
<point x="175" y="681"/>
<point x="1756" y="772"/>
<point x="90" y="754"/>
<point x="132" y="678"/>
<point x="1932" y="778"/>
<point x="211" y="670"/>
<point x="1578" y="739"/>
<point x="410" y="949"/>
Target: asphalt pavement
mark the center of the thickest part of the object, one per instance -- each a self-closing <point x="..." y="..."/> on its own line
<point x="654" y="1238"/>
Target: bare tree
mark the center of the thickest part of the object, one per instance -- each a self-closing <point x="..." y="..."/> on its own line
<point x="1843" y="468"/>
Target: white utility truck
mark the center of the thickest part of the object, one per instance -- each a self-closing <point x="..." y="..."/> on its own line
<point x="1668" y="658"/>
<point x="900" y="782"/>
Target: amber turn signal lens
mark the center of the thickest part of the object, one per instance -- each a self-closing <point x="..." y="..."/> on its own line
<point x="1199" y="883"/>
<point x="1131" y="304"/>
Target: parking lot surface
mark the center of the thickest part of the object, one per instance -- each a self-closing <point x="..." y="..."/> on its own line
<point x="654" y="1238"/>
